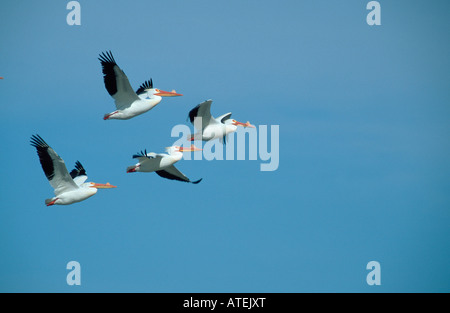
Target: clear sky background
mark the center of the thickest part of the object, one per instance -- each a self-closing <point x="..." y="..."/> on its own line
<point x="364" y="169"/>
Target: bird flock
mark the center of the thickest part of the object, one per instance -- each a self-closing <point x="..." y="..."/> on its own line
<point x="72" y="187"/>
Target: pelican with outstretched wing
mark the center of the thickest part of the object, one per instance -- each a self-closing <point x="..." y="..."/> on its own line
<point x="69" y="188"/>
<point x="208" y="127"/>
<point x="163" y="163"/>
<point x="129" y="103"/>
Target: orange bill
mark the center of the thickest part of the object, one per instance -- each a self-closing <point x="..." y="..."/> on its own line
<point x="163" y="93"/>
<point x="244" y="124"/>
<point x="103" y="186"/>
<point x="189" y="149"/>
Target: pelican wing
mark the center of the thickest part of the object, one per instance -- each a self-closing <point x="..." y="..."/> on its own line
<point x="171" y="172"/>
<point x="142" y="90"/>
<point x="78" y="174"/>
<point x="144" y="156"/>
<point x="148" y="162"/>
<point x="203" y="110"/>
<point x="224" y="117"/>
<point x="54" y="167"/>
<point x="116" y="82"/>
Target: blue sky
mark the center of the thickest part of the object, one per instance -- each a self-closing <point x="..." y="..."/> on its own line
<point x="363" y="113"/>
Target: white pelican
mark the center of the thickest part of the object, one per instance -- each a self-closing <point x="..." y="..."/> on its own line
<point x="69" y="188"/>
<point x="212" y="128"/>
<point x="162" y="163"/>
<point x="128" y="103"/>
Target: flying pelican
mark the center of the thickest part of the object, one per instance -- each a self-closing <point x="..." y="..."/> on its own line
<point x="69" y="188"/>
<point x="128" y="103"/>
<point x="210" y="128"/>
<point x="162" y="163"/>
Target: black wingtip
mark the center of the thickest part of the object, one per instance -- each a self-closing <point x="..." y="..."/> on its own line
<point x="140" y="154"/>
<point x="197" y="181"/>
<point x="148" y="84"/>
<point x="193" y="114"/>
<point x="107" y="57"/>
<point x="37" y="142"/>
<point x="44" y="157"/>
<point x="78" y="170"/>
<point x="108" y="63"/>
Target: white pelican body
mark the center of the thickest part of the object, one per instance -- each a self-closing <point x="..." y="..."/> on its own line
<point x="162" y="163"/>
<point x="216" y="130"/>
<point x="73" y="196"/>
<point x="210" y="128"/>
<point x="69" y="188"/>
<point x="128" y="102"/>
